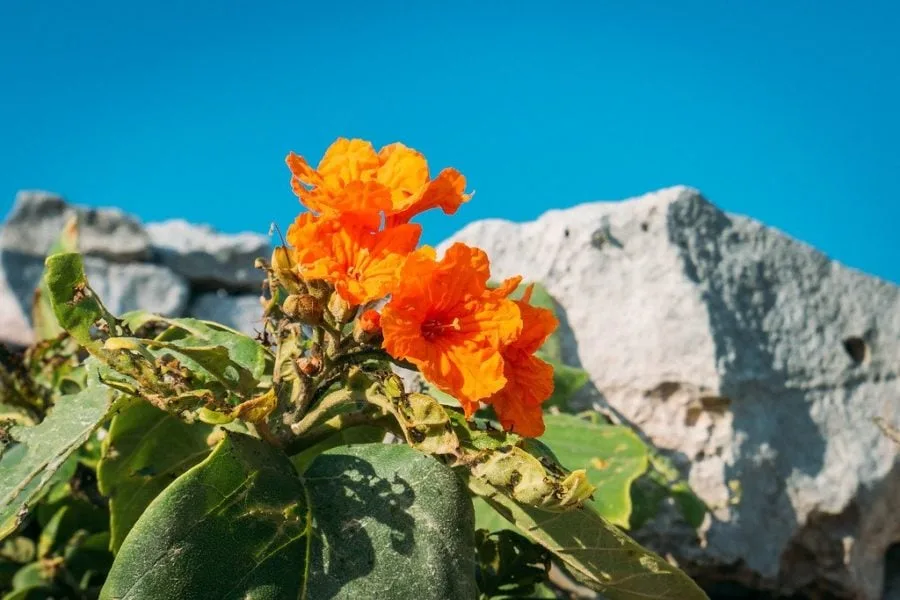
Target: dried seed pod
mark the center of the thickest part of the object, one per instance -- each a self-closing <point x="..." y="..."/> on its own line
<point x="304" y="308"/>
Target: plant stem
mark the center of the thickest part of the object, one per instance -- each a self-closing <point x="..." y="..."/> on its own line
<point x="335" y="425"/>
<point x="335" y="399"/>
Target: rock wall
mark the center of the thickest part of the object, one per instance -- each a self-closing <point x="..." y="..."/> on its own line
<point x="173" y="268"/>
<point x="754" y="360"/>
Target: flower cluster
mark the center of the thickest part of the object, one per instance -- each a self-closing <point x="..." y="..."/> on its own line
<point x="468" y="339"/>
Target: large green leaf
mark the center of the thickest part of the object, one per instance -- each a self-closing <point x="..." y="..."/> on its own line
<point x="32" y="455"/>
<point x="145" y="450"/>
<point x="235" y="526"/>
<point x="613" y="456"/>
<point x="390" y="523"/>
<point x="240" y="525"/>
<point x="596" y="552"/>
<point x="362" y="434"/>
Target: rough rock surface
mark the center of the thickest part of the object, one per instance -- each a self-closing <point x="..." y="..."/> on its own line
<point x="138" y="286"/>
<point x="14" y="326"/>
<point x="209" y="258"/>
<point x="243" y="312"/>
<point x="168" y="268"/>
<point x="757" y="361"/>
<point x="38" y="217"/>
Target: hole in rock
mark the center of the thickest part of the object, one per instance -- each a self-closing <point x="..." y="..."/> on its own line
<point x="892" y="572"/>
<point x="856" y="347"/>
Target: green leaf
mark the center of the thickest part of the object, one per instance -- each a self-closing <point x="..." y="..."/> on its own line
<point x="390" y="523"/>
<point x="37" y="592"/>
<point x="566" y="382"/>
<point x="243" y="350"/>
<point x="363" y="434"/>
<point x="613" y="456"/>
<point x="509" y="565"/>
<point x="88" y="560"/>
<point x="597" y="553"/>
<point x="145" y="450"/>
<point x="31" y="457"/>
<point x="238" y="525"/>
<point x="31" y="575"/>
<point x="517" y="467"/>
<point x="42" y="316"/>
<point x="72" y="517"/>
<point x="235" y="526"/>
<point x="19" y="549"/>
<point x="663" y="480"/>
<point x="77" y="308"/>
<point x="193" y="364"/>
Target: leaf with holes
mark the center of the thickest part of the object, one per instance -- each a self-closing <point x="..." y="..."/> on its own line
<point x="31" y="456"/>
<point x="42" y="316"/>
<point x="613" y="457"/>
<point x="597" y="553"/>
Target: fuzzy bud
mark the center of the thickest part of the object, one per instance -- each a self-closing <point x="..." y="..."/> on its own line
<point x="282" y="267"/>
<point x="367" y="328"/>
<point x="340" y="308"/>
<point x="309" y="365"/>
<point x="304" y="308"/>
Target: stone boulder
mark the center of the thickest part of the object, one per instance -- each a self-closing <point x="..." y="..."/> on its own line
<point x="15" y="328"/>
<point x="754" y="360"/>
<point x="121" y="286"/>
<point x="241" y="312"/>
<point x="208" y="258"/>
<point x="38" y="217"/>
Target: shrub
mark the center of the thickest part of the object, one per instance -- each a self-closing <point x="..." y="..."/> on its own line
<point x="155" y="457"/>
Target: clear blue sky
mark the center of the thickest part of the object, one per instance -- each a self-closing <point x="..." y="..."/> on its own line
<point x="785" y="111"/>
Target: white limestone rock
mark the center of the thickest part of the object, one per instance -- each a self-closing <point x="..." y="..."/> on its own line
<point x="121" y="286"/>
<point x="241" y="312"/>
<point x="676" y="308"/>
<point x="37" y="218"/>
<point x="15" y="329"/>
<point x="208" y="258"/>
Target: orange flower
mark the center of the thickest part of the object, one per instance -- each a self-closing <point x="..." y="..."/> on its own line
<point x="442" y="318"/>
<point x="352" y="177"/>
<point x="529" y="380"/>
<point x="349" y="252"/>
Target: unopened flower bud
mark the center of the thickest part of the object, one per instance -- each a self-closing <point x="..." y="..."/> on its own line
<point x="340" y="308"/>
<point x="319" y="288"/>
<point x="309" y="365"/>
<point x="304" y="308"/>
<point x="284" y="271"/>
<point x="367" y="328"/>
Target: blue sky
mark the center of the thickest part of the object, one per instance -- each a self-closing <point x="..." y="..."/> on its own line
<point x="786" y="111"/>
